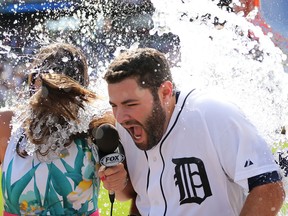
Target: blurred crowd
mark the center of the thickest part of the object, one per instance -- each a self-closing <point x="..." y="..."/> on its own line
<point x="114" y="24"/>
<point x="11" y="80"/>
<point x="98" y="27"/>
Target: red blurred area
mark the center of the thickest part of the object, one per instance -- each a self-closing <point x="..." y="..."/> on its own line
<point x="279" y="39"/>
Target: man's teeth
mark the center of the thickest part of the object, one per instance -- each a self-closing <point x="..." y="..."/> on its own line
<point x="137" y="137"/>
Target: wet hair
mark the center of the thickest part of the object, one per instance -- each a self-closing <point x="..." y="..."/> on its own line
<point x="147" y="66"/>
<point x="54" y="106"/>
<point x="60" y="58"/>
<point x="60" y="97"/>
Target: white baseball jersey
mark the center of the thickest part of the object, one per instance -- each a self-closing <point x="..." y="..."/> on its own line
<point x="203" y="162"/>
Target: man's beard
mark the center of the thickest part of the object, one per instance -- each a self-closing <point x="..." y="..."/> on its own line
<point x="154" y="126"/>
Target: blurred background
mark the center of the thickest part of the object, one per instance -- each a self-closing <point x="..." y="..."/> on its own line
<point x="98" y="27"/>
<point x="275" y="14"/>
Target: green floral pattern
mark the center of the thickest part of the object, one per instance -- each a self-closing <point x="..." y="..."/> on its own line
<point x="69" y="191"/>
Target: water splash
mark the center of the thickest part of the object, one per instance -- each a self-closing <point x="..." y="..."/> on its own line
<point x="216" y="51"/>
<point x="219" y="54"/>
<point x="219" y="49"/>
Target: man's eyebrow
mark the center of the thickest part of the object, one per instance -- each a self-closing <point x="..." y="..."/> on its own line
<point x="125" y="102"/>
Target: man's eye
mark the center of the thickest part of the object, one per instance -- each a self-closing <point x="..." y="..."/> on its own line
<point x="131" y="104"/>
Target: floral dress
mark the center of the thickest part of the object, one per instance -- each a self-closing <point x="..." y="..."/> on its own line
<point x="64" y="186"/>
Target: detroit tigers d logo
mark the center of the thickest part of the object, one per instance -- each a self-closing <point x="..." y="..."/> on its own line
<point x="191" y="179"/>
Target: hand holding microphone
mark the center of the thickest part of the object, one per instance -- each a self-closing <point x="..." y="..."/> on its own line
<point x="114" y="179"/>
<point x="107" y="142"/>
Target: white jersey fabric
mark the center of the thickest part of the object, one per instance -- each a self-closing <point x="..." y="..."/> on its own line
<point x="203" y="162"/>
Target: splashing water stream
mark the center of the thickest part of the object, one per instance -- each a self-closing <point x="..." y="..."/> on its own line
<point x="221" y="56"/>
<point x="224" y="58"/>
<point x="217" y="53"/>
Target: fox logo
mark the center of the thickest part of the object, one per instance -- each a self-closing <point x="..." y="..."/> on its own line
<point x="112" y="159"/>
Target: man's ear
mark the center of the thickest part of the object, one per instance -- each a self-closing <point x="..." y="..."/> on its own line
<point x="166" y="90"/>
